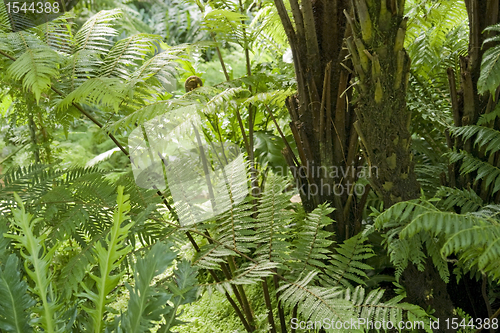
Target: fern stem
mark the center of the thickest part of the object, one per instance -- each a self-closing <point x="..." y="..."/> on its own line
<point x="248" y="327"/>
<point x="245" y="304"/>
<point x="485" y="295"/>
<point x="270" y="316"/>
<point x="238" y="291"/>
<point x="294" y="315"/>
<point x="281" y="313"/>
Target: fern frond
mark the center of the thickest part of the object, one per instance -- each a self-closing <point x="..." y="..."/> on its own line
<point x="490" y="64"/>
<point x="486" y="118"/>
<point x="401" y="212"/>
<point x="58" y="34"/>
<point x="148" y="303"/>
<point x="273" y="222"/>
<point x="466" y="199"/>
<point x="248" y="273"/>
<point x="473" y="237"/>
<point x="126" y="54"/>
<point x="270" y="33"/>
<point x="316" y="303"/>
<point x="108" y="259"/>
<point x="487" y="172"/>
<point x="485" y="137"/>
<point x="403" y="250"/>
<point x="96" y="33"/>
<point x="346" y="265"/>
<point x="5" y="26"/>
<point x="227" y="24"/>
<point x="312" y="242"/>
<point x="156" y="73"/>
<point x="37" y="261"/>
<point x="14" y="298"/>
<point x="225" y="98"/>
<point x="276" y="97"/>
<point x="36" y="63"/>
<point x="370" y="309"/>
<point x="440" y="222"/>
<point x="97" y="91"/>
<point x="184" y="290"/>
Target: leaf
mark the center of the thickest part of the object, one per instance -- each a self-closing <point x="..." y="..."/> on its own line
<point x="36" y="66"/>
<point x="14" y="299"/>
<point x="489" y="78"/>
<point x="148" y="302"/>
<point x="109" y="258"/>
<point x="268" y="149"/>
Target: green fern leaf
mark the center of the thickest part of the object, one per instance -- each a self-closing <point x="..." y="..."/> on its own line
<point x="273" y="222"/>
<point x="312" y="241"/>
<point x="346" y="266"/>
<point x="467" y="199"/>
<point x="37" y="261"/>
<point x="108" y="259"/>
<point x="35" y="65"/>
<point x="14" y="299"/>
<point x="147" y="302"/>
<point x="487" y="138"/>
<point x="490" y="65"/>
<point x="184" y="291"/>
<point x="489" y="173"/>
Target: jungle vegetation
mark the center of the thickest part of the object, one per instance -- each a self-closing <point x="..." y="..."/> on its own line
<point x="355" y="145"/>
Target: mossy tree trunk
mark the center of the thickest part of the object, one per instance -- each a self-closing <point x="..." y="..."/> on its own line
<point x="382" y="68"/>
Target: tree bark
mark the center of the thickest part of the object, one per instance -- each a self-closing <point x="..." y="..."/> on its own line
<point x="382" y="68"/>
<point x="322" y="123"/>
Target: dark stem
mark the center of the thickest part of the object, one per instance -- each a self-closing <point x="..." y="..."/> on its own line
<point x="270" y="316"/>
<point x="281" y="313"/>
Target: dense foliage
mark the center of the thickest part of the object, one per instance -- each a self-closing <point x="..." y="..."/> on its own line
<point x="86" y="245"/>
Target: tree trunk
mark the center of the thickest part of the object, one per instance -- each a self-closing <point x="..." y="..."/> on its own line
<point x="467" y="106"/>
<point x="322" y="123"/>
<point x="382" y="69"/>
